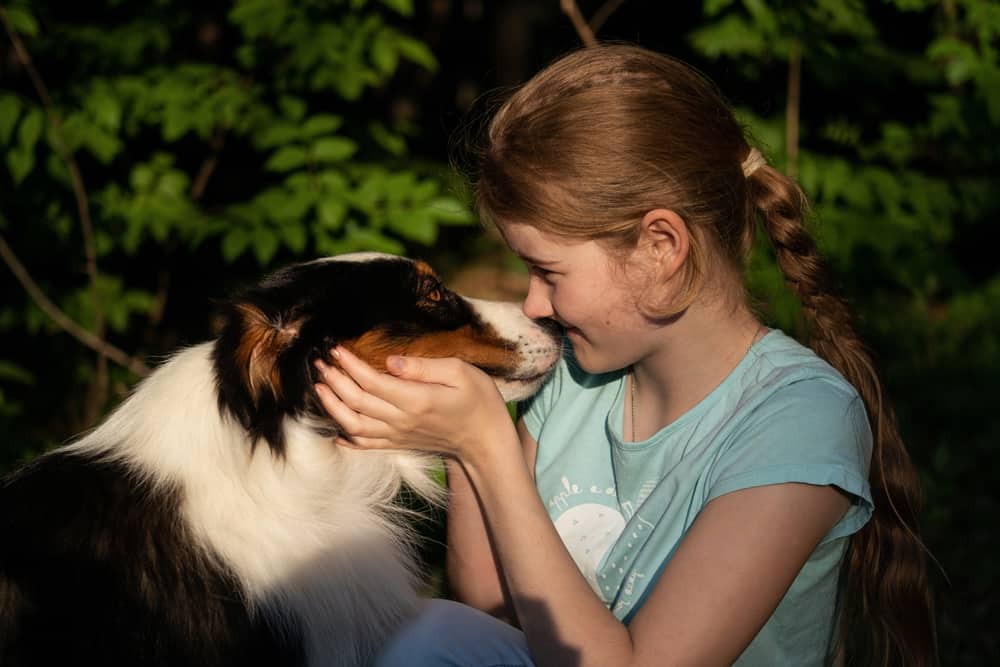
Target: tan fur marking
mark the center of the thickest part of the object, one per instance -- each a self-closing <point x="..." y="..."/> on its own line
<point x="479" y="349"/>
<point x="259" y="348"/>
<point x="423" y="268"/>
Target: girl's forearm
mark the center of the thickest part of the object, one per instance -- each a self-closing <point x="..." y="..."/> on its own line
<point x="473" y="573"/>
<point x="563" y="620"/>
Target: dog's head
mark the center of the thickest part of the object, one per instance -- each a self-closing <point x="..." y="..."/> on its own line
<point x="375" y="305"/>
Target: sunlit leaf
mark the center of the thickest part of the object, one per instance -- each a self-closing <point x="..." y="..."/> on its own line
<point x="287" y="158"/>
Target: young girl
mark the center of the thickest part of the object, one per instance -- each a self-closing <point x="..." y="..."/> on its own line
<point x="689" y="487"/>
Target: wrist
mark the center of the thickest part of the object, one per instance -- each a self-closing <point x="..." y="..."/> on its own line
<point x="499" y="461"/>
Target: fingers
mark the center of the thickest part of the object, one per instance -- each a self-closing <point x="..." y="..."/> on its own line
<point x="400" y="388"/>
<point x="353" y="396"/>
<point x="358" y="429"/>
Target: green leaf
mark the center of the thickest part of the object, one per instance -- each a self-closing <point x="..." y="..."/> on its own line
<point x="287" y="158"/>
<point x="359" y="238"/>
<point x="416" y="51"/>
<point x="103" y="145"/>
<point x="106" y="109"/>
<point x="730" y="36"/>
<point x="293" y="107"/>
<point x="403" y="7"/>
<point x="295" y="237"/>
<point x="234" y="243"/>
<point x="20" y="162"/>
<point x="277" y="134"/>
<point x="176" y="123"/>
<point x="31" y="129"/>
<point x="320" y="124"/>
<point x="714" y="7"/>
<point x="333" y="149"/>
<point x="10" y="111"/>
<point x="384" y="54"/>
<point x="11" y="371"/>
<point x="394" y="143"/>
<point x="416" y="225"/>
<point x="331" y="213"/>
<point x="22" y="21"/>
<point x="265" y="244"/>
<point x="448" y="210"/>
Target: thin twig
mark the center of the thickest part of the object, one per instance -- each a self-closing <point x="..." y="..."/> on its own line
<point x="208" y="166"/>
<point x="79" y="192"/>
<point x="570" y="9"/>
<point x="63" y="320"/>
<point x="603" y="13"/>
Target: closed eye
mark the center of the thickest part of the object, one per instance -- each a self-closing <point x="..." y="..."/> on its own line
<point x="545" y="274"/>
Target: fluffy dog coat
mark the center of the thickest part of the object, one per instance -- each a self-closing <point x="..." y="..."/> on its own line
<point x="210" y="520"/>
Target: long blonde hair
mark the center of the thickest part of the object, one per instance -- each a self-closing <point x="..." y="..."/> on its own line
<point x="608" y="133"/>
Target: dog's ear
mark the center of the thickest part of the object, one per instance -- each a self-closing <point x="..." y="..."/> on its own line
<point x="262" y="340"/>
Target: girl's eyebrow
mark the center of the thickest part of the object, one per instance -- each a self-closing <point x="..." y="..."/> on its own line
<point x="534" y="260"/>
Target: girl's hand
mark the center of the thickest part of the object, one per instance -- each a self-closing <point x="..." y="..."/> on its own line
<point x="445" y="406"/>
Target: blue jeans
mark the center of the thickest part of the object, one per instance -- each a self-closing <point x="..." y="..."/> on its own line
<point x="452" y="634"/>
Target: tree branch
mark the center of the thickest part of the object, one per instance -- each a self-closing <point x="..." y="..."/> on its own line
<point x="603" y="13"/>
<point x="208" y="166"/>
<point x="63" y="320"/>
<point x="82" y="205"/>
<point x="570" y="9"/>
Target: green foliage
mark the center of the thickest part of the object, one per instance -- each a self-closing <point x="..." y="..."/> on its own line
<point x="264" y="140"/>
<point x="903" y="193"/>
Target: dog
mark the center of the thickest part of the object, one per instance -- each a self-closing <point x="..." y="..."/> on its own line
<point x="210" y="519"/>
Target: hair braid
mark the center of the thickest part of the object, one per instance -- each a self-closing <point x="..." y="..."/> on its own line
<point x="886" y="613"/>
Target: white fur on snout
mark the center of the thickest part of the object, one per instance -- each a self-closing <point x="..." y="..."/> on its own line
<point x="535" y="349"/>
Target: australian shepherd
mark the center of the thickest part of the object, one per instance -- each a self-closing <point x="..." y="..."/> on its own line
<point x="210" y="520"/>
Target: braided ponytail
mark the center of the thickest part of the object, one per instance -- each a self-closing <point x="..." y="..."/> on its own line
<point x="886" y="613"/>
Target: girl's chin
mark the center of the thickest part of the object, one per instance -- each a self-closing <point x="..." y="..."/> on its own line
<point x="583" y="352"/>
<point x="587" y="358"/>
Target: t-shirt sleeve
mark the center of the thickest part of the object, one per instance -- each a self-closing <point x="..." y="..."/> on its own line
<point x="812" y="432"/>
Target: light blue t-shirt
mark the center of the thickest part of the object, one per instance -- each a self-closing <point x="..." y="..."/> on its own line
<point x="621" y="508"/>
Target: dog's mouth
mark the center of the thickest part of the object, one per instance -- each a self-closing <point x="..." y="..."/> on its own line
<point x="528" y="379"/>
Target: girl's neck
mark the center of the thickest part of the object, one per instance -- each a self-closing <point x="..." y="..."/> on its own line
<point x="692" y="357"/>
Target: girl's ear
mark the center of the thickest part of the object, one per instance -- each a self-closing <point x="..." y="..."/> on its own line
<point x="665" y="238"/>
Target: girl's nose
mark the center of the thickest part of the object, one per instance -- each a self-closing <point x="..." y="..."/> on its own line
<point x="537" y="305"/>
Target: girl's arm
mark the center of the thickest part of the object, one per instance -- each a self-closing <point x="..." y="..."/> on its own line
<point x="721" y="585"/>
<point x="474" y="574"/>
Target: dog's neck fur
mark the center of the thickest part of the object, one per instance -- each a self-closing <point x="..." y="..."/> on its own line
<point x="301" y="531"/>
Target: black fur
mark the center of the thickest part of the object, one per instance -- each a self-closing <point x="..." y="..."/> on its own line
<point x="97" y="566"/>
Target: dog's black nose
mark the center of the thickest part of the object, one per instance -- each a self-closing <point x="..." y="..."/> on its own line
<point x="551" y="326"/>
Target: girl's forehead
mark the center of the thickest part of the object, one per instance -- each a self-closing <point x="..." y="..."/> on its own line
<point x="538" y="246"/>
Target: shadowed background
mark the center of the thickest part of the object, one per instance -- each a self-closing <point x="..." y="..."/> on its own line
<point x="157" y="154"/>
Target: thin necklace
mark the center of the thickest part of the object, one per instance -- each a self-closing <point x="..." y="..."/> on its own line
<point x="633" y="392"/>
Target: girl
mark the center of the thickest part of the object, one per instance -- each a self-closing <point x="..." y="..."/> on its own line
<point x="689" y="487"/>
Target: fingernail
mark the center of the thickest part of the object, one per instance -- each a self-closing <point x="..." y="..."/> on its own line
<point x="336" y="352"/>
<point x="395" y="363"/>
